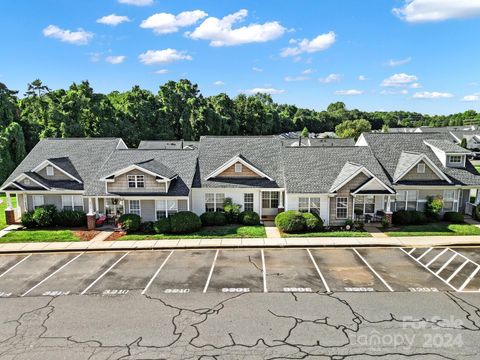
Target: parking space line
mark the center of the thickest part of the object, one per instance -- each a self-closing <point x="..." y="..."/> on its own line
<point x="156" y="273"/>
<point x="56" y="271"/>
<point x="425" y="253"/>
<point x="412" y="250"/>
<point x="373" y="270"/>
<point x="469" y="278"/>
<point x="437" y="256"/>
<point x="318" y="271"/>
<point x="211" y="272"/>
<point x="14" y="266"/>
<point x="104" y="273"/>
<point x="446" y="264"/>
<point x="264" y="273"/>
<point x="458" y="270"/>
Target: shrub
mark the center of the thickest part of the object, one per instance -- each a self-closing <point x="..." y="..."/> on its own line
<point x="249" y="218"/>
<point x="45" y="215"/>
<point x="409" y="217"/>
<point x="71" y="218"/>
<point x="219" y="218"/>
<point x="232" y="211"/>
<point x="185" y="222"/>
<point x="359" y="225"/>
<point x="208" y="219"/>
<point x="349" y="224"/>
<point x="312" y="222"/>
<point x="290" y="221"/>
<point x="477" y="212"/>
<point x="147" y="227"/>
<point x="454" y="217"/>
<point x="433" y="207"/>
<point x="28" y="221"/>
<point x="162" y="226"/>
<point x="130" y="222"/>
<point x="385" y="223"/>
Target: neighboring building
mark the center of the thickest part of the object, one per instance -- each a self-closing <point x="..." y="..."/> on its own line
<point x="335" y="178"/>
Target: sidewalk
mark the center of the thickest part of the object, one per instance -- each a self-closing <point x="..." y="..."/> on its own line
<point x="423" y="241"/>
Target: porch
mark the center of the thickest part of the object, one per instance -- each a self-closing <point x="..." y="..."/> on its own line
<point x="371" y="207"/>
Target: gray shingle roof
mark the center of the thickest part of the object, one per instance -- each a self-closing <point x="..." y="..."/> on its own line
<point x="321" y="142"/>
<point x="66" y="165"/>
<point x="389" y="147"/>
<point x="406" y="160"/>
<point x="447" y="146"/>
<point x="165" y="144"/>
<point x="157" y="167"/>
<point x="348" y="170"/>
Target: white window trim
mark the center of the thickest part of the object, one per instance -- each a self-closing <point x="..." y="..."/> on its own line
<point x="50" y="170"/>
<point x="34" y="203"/>
<point x="309" y="201"/>
<point x="421" y="168"/>
<point x="364" y="204"/>
<point x="460" y="158"/>
<point x="336" y="208"/>
<point x="406" y="200"/>
<point x="238" y="168"/>
<point x="72" y="203"/>
<point x="214" y="200"/>
<point x="270" y="199"/>
<point x="252" y="202"/>
<point x="139" y="207"/>
<point x="166" y="207"/>
<point x="135" y="181"/>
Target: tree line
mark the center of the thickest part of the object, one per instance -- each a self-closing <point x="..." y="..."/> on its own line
<point x="177" y="111"/>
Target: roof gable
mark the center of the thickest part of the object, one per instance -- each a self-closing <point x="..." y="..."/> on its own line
<point x="62" y="164"/>
<point x="408" y="160"/>
<point x="235" y="160"/>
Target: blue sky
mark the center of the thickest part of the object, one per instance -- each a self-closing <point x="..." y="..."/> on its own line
<point x="418" y="55"/>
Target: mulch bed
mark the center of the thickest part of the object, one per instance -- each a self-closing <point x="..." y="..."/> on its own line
<point x="85" y="235"/>
<point x="116" y="235"/>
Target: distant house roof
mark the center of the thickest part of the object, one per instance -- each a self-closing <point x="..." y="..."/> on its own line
<point x="157" y="167"/>
<point x="167" y="144"/>
<point x="321" y="142"/>
<point x="447" y="146"/>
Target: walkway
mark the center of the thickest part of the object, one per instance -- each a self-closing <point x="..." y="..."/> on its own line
<point x="8" y="229"/>
<point x="375" y="231"/>
<point x="271" y="230"/>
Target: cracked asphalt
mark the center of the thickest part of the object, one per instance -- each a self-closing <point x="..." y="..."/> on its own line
<point x="207" y="304"/>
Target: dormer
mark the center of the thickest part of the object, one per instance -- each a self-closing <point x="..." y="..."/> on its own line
<point x="238" y="167"/>
<point x="415" y="166"/>
<point x="449" y="154"/>
<point x="57" y="169"/>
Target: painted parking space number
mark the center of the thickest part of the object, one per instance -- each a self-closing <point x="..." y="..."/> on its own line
<point x="235" y="290"/>
<point x="176" y="291"/>
<point x="56" y="293"/>
<point x="359" y="289"/>
<point x="115" y="292"/>
<point x="295" y="289"/>
<point x="4" y="294"/>
<point x="420" y="289"/>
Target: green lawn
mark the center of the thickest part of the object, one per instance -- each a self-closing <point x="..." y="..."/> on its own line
<point x="39" y="236"/>
<point x="3" y="206"/>
<point x="436" y="230"/>
<point x="229" y="231"/>
<point x="330" y="234"/>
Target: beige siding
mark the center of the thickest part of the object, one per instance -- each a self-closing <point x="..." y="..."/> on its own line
<point x="121" y="184"/>
<point x="345" y="192"/>
<point x="57" y="175"/>
<point x="428" y="175"/>
<point x="148" y="210"/>
<point x="246" y="172"/>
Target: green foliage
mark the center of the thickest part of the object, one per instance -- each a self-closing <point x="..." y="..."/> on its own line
<point x="147" y="227"/>
<point x="312" y="222"/>
<point x="409" y="217"/>
<point x="290" y="221"/>
<point x="454" y="217"/>
<point x="385" y="224"/>
<point x="208" y="218"/>
<point x="130" y="222"/>
<point x="249" y="218"/>
<point x="185" y="222"/>
<point x="463" y="143"/>
<point x="433" y="207"/>
<point x="353" y="128"/>
<point x="305" y="132"/>
<point x="162" y="226"/>
<point x="232" y="210"/>
<point x="71" y="218"/>
<point x="28" y="220"/>
<point x="219" y="219"/>
<point x="477" y="212"/>
<point x="45" y="215"/>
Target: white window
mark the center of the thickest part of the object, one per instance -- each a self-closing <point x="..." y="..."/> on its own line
<point x="342" y="207"/>
<point x="309" y="204"/>
<point x="364" y="205"/>
<point x="238" y="168"/>
<point x="136" y="181"/>
<point x="449" y="200"/>
<point x="406" y="200"/>
<point x="270" y="199"/>
<point x="248" y="202"/>
<point x="421" y="168"/>
<point x="134" y="206"/>
<point x="165" y="208"/>
<point x="455" y="159"/>
<point x="214" y="202"/>
<point x="72" y="202"/>
<point x="38" y="200"/>
<point x="50" y="171"/>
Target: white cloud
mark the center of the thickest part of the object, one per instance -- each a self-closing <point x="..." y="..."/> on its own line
<point x="394" y="63"/>
<point x="256" y="69"/>
<point x="95" y="57"/>
<point x="308" y="71"/>
<point x="349" y="92"/>
<point x="320" y="43"/>
<point x="416" y="86"/>
<point x="269" y="90"/>
<point x="296" y="78"/>
<point x="473" y="97"/>
<point x="394" y="92"/>
<point x="432" y="95"/>
<point x="220" y="33"/>
<point x="136" y="2"/>
<point x="113" y="20"/>
<point x="163" y="56"/>
<point x="115" y="59"/>
<point x="437" y="10"/>
<point x="362" y="78"/>
<point x="330" y="78"/>
<point x="165" y="23"/>
<point x="161" y="72"/>
<point x="398" y="80"/>
<point x="219" y="83"/>
<point x="79" y="37"/>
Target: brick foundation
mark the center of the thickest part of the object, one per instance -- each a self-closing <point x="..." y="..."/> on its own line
<point x="91" y="222"/>
<point x="389" y="217"/>
<point x="10" y="217"/>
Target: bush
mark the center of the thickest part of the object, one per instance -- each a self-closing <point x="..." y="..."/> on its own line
<point x="162" y="226"/>
<point x="476" y="212"/>
<point x="454" y="217"/>
<point x="185" y="222"/>
<point x="232" y="211"/>
<point x="71" y="218"/>
<point x="208" y="218"/>
<point x="147" y="227"/>
<point x="45" y="215"/>
<point x="249" y="218"/>
<point x="312" y="222"/>
<point x="409" y="217"/>
<point x="130" y="222"/>
<point x="290" y="221"/>
<point x="28" y="221"/>
<point x="385" y="223"/>
<point x="219" y="219"/>
<point x="433" y="208"/>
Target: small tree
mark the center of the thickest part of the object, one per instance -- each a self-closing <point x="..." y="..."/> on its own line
<point x="463" y="143"/>
<point x="433" y="207"/>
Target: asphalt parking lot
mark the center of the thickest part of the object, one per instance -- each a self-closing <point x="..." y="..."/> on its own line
<point x="241" y="270"/>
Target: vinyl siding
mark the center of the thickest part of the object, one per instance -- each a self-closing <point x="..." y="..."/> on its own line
<point x="121" y="185"/>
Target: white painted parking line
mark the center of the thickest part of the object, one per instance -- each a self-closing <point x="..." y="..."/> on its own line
<point x="411" y="251"/>
<point x="211" y="272"/>
<point x="264" y="273"/>
<point x="56" y="271"/>
<point x="373" y="270"/>
<point x="14" y="266"/>
<point x="446" y="264"/>
<point x="318" y="271"/>
<point x="474" y="272"/>
<point x="458" y="270"/>
<point x="104" y="273"/>
<point x="437" y="256"/>
<point x="157" y="272"/>
<point x="425" y="253"/>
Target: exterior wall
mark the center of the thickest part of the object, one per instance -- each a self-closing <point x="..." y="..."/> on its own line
<point x="57" y="174"/>
<point x="428" y="175"/>
<point x="237" y="195"/>
<point x="121" y="184"/>
<point x="345" y="192"/>
<point x="147" y="207"/>
<point x="53" y="199"/>
<point x="292" y="204"/>
<point x="245" y="173"/>
<point x="31" y="184"/>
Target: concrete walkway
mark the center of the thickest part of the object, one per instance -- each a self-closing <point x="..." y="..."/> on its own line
<point x="375" y="231"/>
<point x="8" y="229"/>
<point x="103" y="235"/>
<point x="271" y="230"/>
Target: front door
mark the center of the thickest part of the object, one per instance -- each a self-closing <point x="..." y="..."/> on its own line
<point x="270" y="201"/>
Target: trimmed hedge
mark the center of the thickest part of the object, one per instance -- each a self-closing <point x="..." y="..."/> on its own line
<point x="219" y="219"/>
<point x="185" y="222"/>
<point x="71" y="218"/>
<point x="208" y="218"/>
<point x="162" y="226"/>
<point x="28" y="220"/>
<point x="249" y="218"/>
<point x="290" y="221"/>
<point x="45" y="215"/>
<point x="477" y="212"/>
<point x="130" y="222"/>
<point x="409" y="217"/>
<point x="454" y="217"/>
<point x="312" y="222"/>
<point x="147" y="227"/>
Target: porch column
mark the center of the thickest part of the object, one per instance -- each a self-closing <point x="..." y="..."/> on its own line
<point x="91" y="215"/>
<point x="9" y="212"/>
<point x="97" y="208"/>
<point x="353" y="208"/>
<point x="281" y="206"/>
<point x="9" y="202"/>
<point x="388" y="204"/>
<point x="388" y="212"/>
